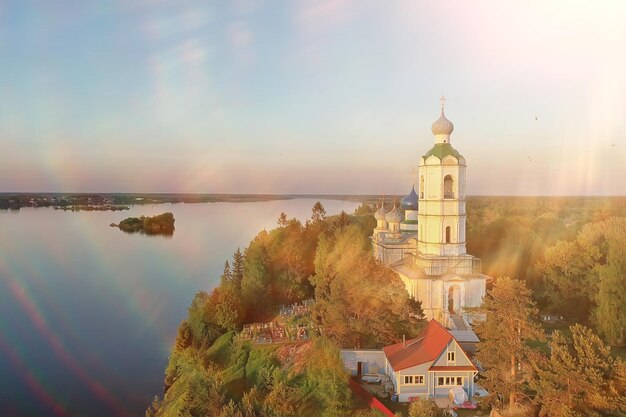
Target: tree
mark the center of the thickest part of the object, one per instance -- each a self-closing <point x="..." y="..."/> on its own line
<point x="359" y="301"/>
<point x="192" y="389"/>
<point x="508" y="312"/>
<point x="341" y="221"/>
<point x="319" y="213"/>
<point x="423" y="408"/>
<point x="580" y="378"/>
<point x="228" y="311"/>
<point x="282" y="220"/>
<point x="326" y="379"/>
<point x="256" y="284"/>
<point x="238" y="264"/>
<point x="279" y="399"/>
<point x="609" y="316"/>
<point x="587" y="277"/>
<point x="227" y="274"/>
<point x="184" y="336"/>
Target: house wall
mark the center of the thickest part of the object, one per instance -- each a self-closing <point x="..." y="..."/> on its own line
<point x="373" y="361"/>
<point x="406" y="391"/>
<point x="461" y="359"/>
<point x="443" y="390"/>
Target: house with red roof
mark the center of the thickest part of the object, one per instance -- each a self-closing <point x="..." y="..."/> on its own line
<point x="429" y="365"/>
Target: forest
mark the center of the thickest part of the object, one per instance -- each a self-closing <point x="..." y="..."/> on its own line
<point x="564" y="256"/>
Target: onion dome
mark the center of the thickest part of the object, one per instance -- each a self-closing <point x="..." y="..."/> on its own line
<point x="410" y="201"/>
<point x="442" y="126"/>
<point x="394" y="215"/>
<point x="380" y="213"/>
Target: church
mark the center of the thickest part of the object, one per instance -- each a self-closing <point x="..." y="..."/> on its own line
<point x="423" y="238"/>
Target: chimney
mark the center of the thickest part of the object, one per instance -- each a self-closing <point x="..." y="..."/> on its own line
<point x="403" y="341"/>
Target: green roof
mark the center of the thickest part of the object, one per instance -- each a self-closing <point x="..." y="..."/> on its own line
<point x="441" y="150"/>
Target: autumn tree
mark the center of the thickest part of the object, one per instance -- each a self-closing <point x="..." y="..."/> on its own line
<point x="505" y="325"/>
<point x="580" y="378"/>
<point x="358" y="301"/>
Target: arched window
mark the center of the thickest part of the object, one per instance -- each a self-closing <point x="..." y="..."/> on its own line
<point x="448" y="187"/>
<point x="448" y="234"/>
<point x="421" y="186"/>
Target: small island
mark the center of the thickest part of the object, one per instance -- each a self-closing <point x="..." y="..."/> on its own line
<point x="163" y="224"/>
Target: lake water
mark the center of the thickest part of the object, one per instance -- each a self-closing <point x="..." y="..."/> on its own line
<point x="88" y="313"/>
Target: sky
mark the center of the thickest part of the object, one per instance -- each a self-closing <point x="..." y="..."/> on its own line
<point x="302" y="96"/>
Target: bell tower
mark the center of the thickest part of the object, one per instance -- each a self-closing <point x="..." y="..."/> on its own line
<point x="441" y="214"/>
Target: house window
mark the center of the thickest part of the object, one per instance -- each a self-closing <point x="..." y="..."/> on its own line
<point x="448" y="234"/>
<point x="414" y="380"/>
<point x="451" y="357"/>
<point x="449" y="380"/>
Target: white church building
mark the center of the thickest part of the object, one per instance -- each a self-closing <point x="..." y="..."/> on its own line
<point x="423" y="239"/>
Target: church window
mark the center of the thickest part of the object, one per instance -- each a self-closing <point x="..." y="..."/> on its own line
<point x="448" y="187"/>
<point x="448" y="234"/>
<point x="422" y="186"/>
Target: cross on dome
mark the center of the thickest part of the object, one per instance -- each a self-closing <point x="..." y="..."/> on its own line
<point x="442" y="126"/>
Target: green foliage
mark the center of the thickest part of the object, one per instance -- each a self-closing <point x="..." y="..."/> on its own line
<point x="506" y="328"/>
<point x="327" y="380"/>
<point x="201" y="320"/>
<point x="221" y="350"/>
<point x="423" y="408"/>
<point x="163" y="224"/>
<point x="587" y="277"/>
<point x="580" y="377"/>
<point x="358" y="301"/>
<point x="183" y="337"/>
<point x="194" y="390"/>
<point x="238" y="264"/>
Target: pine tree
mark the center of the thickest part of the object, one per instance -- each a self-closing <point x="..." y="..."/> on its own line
<point x="508" y="324"/>
<point x="237" y="270"/>
<point x="580" y="378"/>
<point x="282" y="220"/>
<point x="183" y="337"/>
<point x="319" y="213"/>
<point x="227" y="274"/>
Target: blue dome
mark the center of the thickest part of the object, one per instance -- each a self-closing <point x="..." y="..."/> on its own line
<point x="410" y="201"/>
